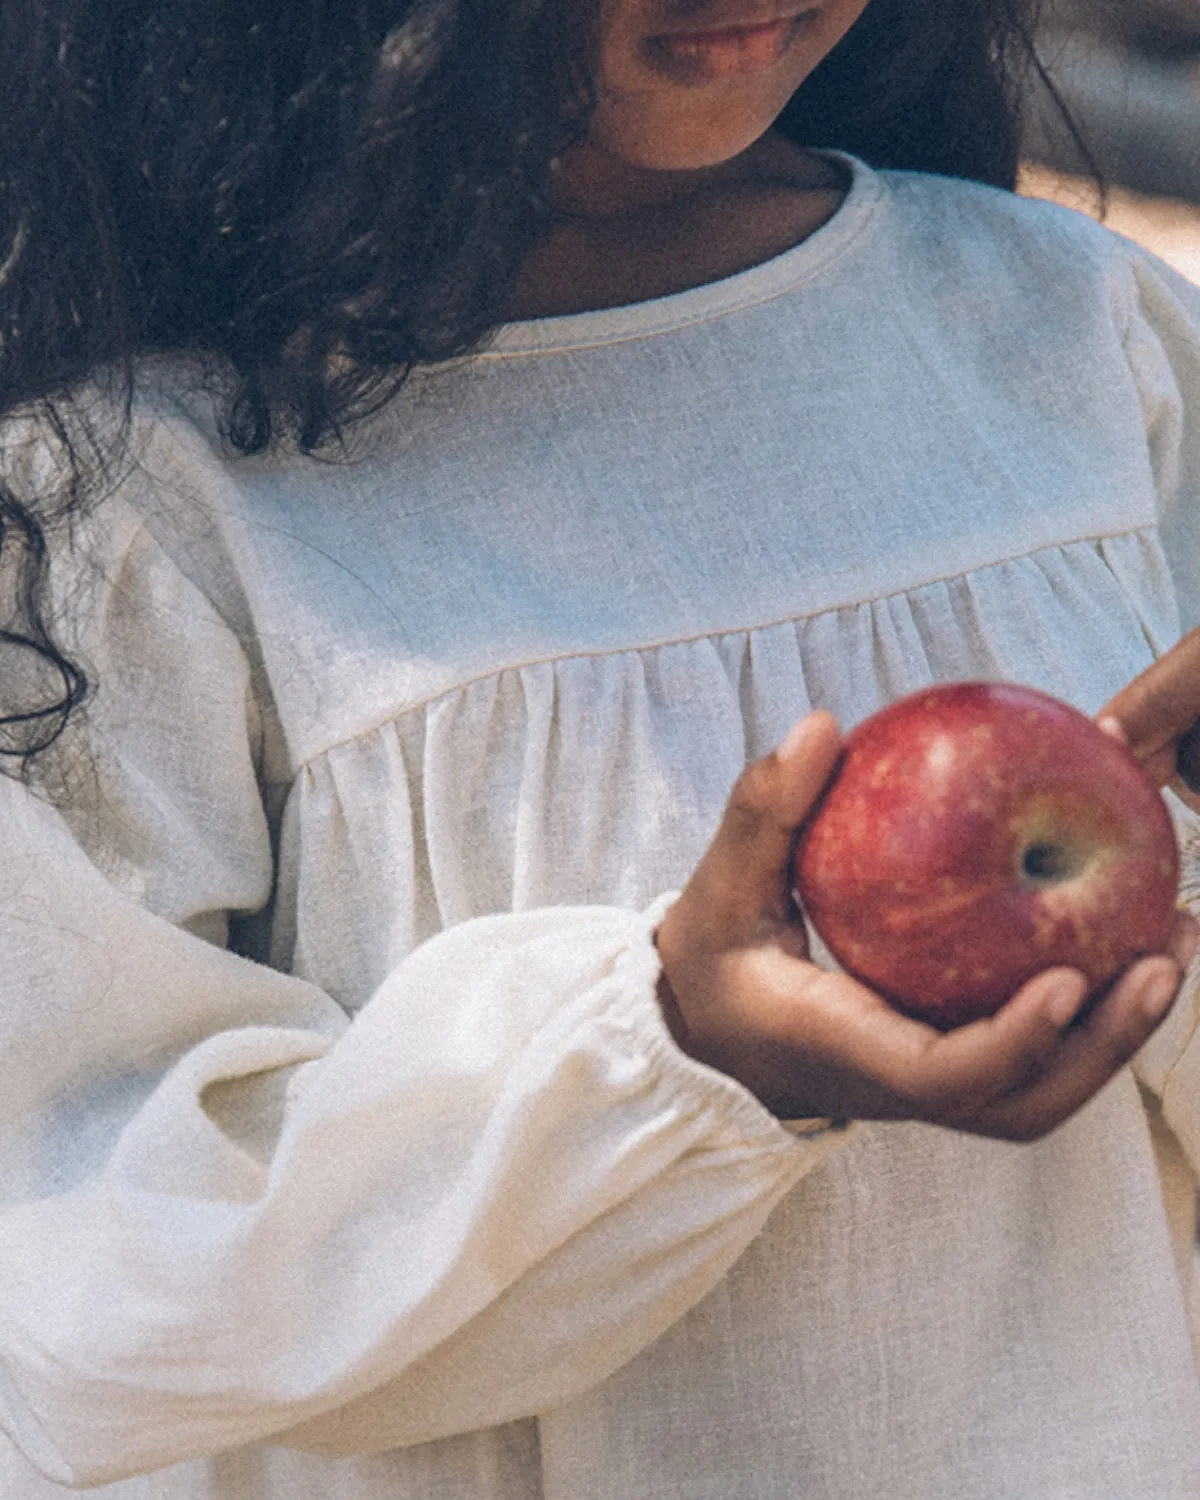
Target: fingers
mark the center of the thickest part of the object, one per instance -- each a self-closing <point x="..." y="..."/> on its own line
<point x="741" y="997"/>
<point x="917" y="1072"/>
<point x="739" y="895"/>
<point x="769" y="801"/>
<point x="805" y="762"/>
<point x="1014" y="1076"/>
<point x="773" y="795"/>
<point x="1003" y="1053"/>
<point x="1161" y="765"/>
<point x="1090" y="1055"/>
<point x="1158" y="707"/>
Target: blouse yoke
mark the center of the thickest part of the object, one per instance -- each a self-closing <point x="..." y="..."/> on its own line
<point x="343" y="1150"/>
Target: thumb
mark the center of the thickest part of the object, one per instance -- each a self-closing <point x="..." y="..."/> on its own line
<point x="769" y="801"/>
<point x="806" y="760"/>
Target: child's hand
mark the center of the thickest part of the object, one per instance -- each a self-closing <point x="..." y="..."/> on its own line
<point x="1158" y="717"/>
<point x="740" y="994"/>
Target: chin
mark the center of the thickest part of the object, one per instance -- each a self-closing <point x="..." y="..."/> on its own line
<point x="683" y="150"/>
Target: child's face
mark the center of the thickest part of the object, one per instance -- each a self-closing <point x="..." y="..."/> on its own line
<point x="691" y="83"/>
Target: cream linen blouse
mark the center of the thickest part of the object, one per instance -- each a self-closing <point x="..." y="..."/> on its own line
<point x="405" y="1193"/>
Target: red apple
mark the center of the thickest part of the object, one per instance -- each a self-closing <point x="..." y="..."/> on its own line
<point x="975" y="834"/>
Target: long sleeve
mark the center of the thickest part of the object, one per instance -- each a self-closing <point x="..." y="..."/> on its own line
<point x="1162" y="344"/>
<point x="232" y="1214"/>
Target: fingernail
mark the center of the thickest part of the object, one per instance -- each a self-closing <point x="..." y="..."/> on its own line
<point x="1157" y="997"/>
<point x="1066" y="998"/>
<point x="1188" y="945"/>
<point x="791" y="740"/>
<point x="1113" y="727"/>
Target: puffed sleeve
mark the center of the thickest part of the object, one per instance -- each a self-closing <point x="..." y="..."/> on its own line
<point x="1162" y="342"/>
<point x="228" y="1214"/>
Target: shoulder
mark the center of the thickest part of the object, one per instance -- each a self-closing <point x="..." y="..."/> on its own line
<point x="953" y="234"/>
<point x="138" y="486"/>
<point x="957" y="212"/>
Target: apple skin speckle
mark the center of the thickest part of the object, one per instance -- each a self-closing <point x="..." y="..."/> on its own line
<point x="976" y="833"/>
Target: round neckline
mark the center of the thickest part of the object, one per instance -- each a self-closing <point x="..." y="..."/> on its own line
<point x="712" y="298"/>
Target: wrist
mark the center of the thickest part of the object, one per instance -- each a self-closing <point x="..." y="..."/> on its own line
<point x="668" y="1002"/>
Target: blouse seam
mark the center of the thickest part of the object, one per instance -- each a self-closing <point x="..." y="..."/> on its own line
<point x="663" y="642"/>
<point x="1129" y="298"/>
<point x="256" y="708"/>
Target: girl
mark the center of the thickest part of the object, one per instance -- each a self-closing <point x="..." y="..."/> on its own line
<point x="376" y="1124"/>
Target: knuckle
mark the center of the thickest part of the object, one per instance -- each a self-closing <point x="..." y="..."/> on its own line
<point x="937" y="1094"/>
<point x="1029" y="1065"/>
<point x="908" y="1093"/>
<point x="943" y="1101"/>
<point x="750" y="798"/>
<point x="938" y="1100"/>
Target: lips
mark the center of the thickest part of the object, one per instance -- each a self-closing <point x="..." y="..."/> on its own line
<point x="725" y="47"/>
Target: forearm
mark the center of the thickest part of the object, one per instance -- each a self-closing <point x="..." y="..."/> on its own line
<point x="498" y="1184"/>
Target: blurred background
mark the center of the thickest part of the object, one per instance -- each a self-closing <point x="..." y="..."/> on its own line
<point x="1129" y="72"/>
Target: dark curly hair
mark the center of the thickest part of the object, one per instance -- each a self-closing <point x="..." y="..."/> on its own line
<point x="316" y="197"/>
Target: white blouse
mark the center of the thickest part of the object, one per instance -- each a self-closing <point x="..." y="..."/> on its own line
<point x="403" y="1192"/>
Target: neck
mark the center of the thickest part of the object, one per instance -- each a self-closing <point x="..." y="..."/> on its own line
<point x="591" y="183"/>
<point x="624" y="235"/>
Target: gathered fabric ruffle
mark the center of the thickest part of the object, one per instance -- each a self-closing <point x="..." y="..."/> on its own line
<point x="603" y="777"/>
